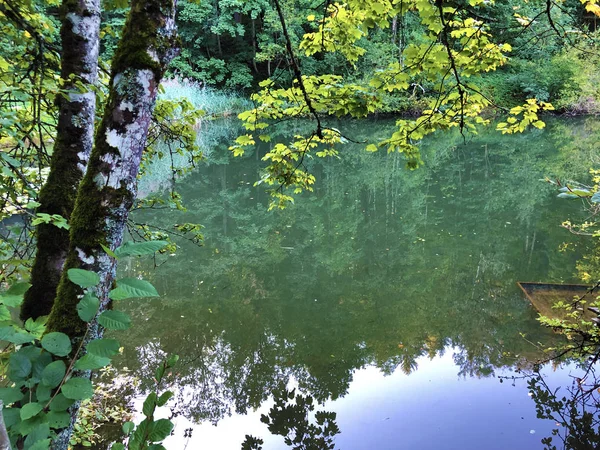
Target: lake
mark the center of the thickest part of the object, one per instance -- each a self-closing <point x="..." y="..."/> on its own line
<point x="387" y="296"/>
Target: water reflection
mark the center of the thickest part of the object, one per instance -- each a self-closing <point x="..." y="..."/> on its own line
<point x="380" y="267"/>
<point x="289" y="417"/>
<point x="571" y="406"/>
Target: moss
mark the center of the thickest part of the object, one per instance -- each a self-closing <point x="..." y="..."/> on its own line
<point x="101" y="212"/>
<point x="140" y="35"/>
<point x="56" y="197"/>
<point x="88" y="229"/>
<point x="88" y="232"/>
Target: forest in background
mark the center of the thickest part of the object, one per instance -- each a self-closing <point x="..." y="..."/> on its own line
<point x="232" y="45"/>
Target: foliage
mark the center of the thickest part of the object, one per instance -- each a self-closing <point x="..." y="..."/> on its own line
<point x="214" y="102"/>
<point x="456" y="48"/>
<point x="289" y="417"/>
<point x="102" y="411"/>
<point x="446" y="61"/>
<point x="236" y="45"/>
<point x="590" y="194"/>
<point x="573" y="409"/>
<point x="47" y="375"/>
<point x="150" y="432"/>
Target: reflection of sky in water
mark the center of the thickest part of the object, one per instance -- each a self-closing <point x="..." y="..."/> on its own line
<point x="429" y="409"/>
<point x="402" y="264"/>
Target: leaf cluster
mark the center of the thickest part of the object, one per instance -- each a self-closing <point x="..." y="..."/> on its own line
<point x="48" y="373"/>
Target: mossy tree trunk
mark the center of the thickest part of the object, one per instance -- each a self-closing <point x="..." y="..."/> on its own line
<point x="109" y="188"/>
<point x="74" y="139"/>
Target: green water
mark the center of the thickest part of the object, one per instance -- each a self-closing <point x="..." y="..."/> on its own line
<point x="388" y="294"/>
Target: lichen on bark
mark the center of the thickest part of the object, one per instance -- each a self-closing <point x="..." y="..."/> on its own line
<point x="74" y="138"/>
<point x="109" y="187"/>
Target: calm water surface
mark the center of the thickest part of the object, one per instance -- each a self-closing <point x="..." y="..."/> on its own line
<point x="387" y="295"/>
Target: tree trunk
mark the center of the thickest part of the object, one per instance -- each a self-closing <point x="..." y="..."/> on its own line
<point x="4" y="439"/>
<point x="109" y="187"/>
<point x="254" y="47"/>
<point x="74" y="138"/>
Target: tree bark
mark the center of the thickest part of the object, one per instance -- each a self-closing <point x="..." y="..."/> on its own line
<point x="109" y="187"/>
<point x="4" y="439"/>
<point x="74" y="138"/>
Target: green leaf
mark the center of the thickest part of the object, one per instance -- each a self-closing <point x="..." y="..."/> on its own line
<point x="39" y="433"/>
<point x="149" y="405"/>
<point x="164" y="398"/>
<point x="159" y="430"/>
<point x="41" y="445"/>
<point x="132" y="288"/>
<point x="139" y="248"/>
<point x="582" y="192"/>
<point x="18" y="289"/>
<point x="60" y="403"/>
<point x="57" y="343"/>
<point x="117" y="446"/>
<point x="139" y="435"/>
<point x="21" y="337"/>
<point x="58" y="419"/>
<point x="88" y="307"/>
<point x="11" y="300"/>
<point x="90" y="361"/>
<point x="567" y="195"/>
<point x="10" y="395"/>
<point x="596" y="197"/>
<point x="40" y="364"/>
<point x="114" y="320"/>
<point x="43" y="393"/>
<point x="12" y="416"/>
<point x="83" y="278"/>
<point x="108" y="251"/>
<point x="103" y="347"/>
<point x="128" y="427"/>
<point x="37" y="326"/>
<point x="78" y="389"/>
<point x="4" y="313"/>
<point x="19" y="367"/>
<point x="25" y="427"/>
<point x="159" y="373"/>
<point x="172" y="360"/>
<point x="54" y="373"/>
<point x="15" y="335"/>
<point x="31" y="352"/>
<point x="29" y="410"/>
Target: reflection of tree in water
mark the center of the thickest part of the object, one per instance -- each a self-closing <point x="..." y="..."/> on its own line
<point x="379" y="267"/>
<point x="290" y="417"/>
<point x="574" y="409"/>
